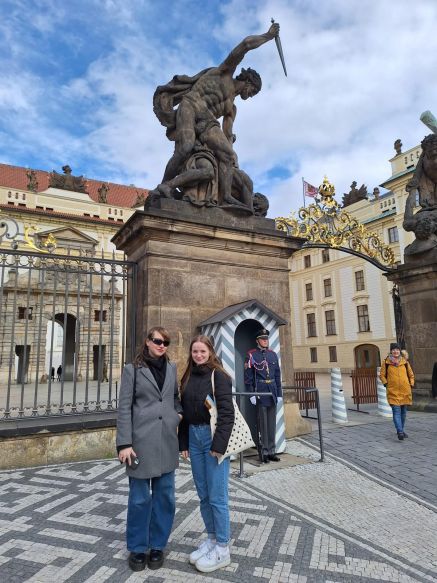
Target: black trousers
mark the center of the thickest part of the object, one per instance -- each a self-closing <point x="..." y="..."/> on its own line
<point x="267" y="428"/>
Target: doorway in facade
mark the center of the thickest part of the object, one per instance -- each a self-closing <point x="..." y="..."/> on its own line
<point x="22" y="366"/>
<point x="99" y="363"/>
<point x="61" y="336"/>
<point x="244" y="340"/>
<point x="367" y="356"/>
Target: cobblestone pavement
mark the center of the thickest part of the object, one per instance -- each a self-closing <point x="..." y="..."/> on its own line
<point x="410" y="465"/>
<point x="316" y="522"/>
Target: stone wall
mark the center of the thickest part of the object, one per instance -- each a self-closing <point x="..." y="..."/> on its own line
<point x="194" y="263"/>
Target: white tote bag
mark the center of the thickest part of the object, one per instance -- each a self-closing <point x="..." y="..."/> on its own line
<point x="241" y="437"/>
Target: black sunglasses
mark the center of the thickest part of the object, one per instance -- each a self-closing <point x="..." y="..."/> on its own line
<point x="160" y="342"/>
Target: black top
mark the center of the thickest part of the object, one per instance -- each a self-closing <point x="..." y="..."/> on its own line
<point x="193" y="397"/>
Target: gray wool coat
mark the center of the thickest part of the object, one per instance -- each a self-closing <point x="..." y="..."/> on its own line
<point x="151" y="425"/>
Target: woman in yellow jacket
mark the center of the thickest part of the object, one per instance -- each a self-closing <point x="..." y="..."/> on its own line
<point x="398" y="377"/>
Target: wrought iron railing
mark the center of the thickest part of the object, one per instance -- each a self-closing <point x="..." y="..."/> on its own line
<point x="63" y="332"/>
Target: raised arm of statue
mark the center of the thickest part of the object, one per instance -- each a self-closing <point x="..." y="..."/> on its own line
<point x="248" y="44"/>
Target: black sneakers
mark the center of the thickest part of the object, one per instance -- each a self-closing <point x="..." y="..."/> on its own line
<point x="400" y="436"/>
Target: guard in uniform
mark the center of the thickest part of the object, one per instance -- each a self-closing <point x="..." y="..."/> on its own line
<point x="262" y="374"/>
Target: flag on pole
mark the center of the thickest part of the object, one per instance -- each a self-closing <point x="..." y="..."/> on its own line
<point x="309" y="190"/>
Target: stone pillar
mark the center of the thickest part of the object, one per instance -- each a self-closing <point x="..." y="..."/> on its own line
<point x="418" y="293"/>
<point x="193" y="262"/>
<point x="294" y="423"/>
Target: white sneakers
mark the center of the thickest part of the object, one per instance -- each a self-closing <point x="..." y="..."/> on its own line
<point x="214" y="558"/>
<point x="206" y="546"/>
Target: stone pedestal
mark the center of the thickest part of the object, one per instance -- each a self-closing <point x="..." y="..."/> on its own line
<point x="418" y="293"/>
<point x="193" y="262"/>
<point x="294" y="423"/>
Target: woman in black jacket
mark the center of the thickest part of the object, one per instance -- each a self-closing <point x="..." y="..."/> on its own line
<point x="205" y="377"/>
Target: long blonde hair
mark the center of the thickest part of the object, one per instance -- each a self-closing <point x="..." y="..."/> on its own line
<point x="140" y="359"/>
<point x="213" y="361"/>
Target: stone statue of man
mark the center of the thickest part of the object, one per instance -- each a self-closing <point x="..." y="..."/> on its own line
<point x="202" y="100"/>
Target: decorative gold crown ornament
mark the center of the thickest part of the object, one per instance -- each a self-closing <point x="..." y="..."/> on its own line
<point x="324" y="223"/>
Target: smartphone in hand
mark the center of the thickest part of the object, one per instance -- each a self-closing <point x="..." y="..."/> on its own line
<point x="134" y="462"/>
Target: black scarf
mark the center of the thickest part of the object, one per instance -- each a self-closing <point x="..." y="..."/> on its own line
<point x="158" y="368"/>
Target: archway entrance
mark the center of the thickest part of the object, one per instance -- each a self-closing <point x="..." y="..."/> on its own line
<point x="367" y="356"/>
<point x="61" y="345"/>
<point x="244" y="340"/>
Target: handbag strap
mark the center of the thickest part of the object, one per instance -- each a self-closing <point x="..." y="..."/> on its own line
<point x="212" y="383"/>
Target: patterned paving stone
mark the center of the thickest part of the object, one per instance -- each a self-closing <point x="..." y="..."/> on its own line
<point x="306" y="524"/>
<point x="410" y="465"/>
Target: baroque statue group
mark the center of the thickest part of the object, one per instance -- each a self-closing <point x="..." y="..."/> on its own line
<point x="422" y="190"/>
<point x="204" y="168"/>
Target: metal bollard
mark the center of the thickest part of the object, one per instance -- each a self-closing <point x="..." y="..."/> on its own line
<point x="384" y="408"/>
<point x="339" y="412"/>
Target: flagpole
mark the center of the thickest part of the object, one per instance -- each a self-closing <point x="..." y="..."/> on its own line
<point x="303" y="191"/>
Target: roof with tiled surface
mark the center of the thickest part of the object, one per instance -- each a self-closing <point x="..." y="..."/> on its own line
<point x="118" y="194"/>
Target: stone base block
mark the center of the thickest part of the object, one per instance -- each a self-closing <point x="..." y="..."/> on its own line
<point x="294" y="424"/>
<point x="47" y="448"/>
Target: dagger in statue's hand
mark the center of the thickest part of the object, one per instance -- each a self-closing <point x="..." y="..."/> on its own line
<point x="279" y="47"/>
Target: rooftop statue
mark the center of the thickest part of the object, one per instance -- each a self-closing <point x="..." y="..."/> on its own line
<point x="204" y="167"/>
<point x="103" y="193"/>
<point x="355" y="194"/>
<point x="67" y="181"/>
<point x="398" y="147"/>
<point x="423" y="188"/>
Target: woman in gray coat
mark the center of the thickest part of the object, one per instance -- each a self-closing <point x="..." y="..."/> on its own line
<point x="149" y="412"/>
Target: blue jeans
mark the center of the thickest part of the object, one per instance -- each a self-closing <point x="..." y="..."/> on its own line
<point x="150" y="512"/>
<point x="399" y="416"/>
<point x="211" y="480"/>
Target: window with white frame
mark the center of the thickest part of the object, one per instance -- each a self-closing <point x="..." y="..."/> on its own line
<point x="393" y="235"/>
<point x="363" y="318"/>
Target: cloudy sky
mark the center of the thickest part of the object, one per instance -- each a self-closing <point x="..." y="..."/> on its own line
<point x="78" y="79"/>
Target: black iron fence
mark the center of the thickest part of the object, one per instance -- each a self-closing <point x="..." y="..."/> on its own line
<point x="63" y="332"/>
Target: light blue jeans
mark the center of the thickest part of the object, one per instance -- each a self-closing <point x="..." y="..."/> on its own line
<point x="399" y="416"/>
<point x="211" y="480"/>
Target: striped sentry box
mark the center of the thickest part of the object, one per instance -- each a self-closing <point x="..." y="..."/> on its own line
<point x="223" y="334"/>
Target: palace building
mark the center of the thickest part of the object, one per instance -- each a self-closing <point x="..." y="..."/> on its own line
<point x="66" y="306"/>
<point x="343" y="305"/>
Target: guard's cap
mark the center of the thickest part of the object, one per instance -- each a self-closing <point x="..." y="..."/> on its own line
<point x="262" y="333"/>
<point x="394" y="345"/>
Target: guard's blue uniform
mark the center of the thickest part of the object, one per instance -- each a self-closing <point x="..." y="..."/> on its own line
<point x="262" y="374"/>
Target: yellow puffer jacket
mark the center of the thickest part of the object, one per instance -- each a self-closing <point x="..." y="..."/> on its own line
<point x="399" y="380"/>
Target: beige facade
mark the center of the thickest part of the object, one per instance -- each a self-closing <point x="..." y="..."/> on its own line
<point x="341" y="304"/>
<point x="55" y="210"/>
